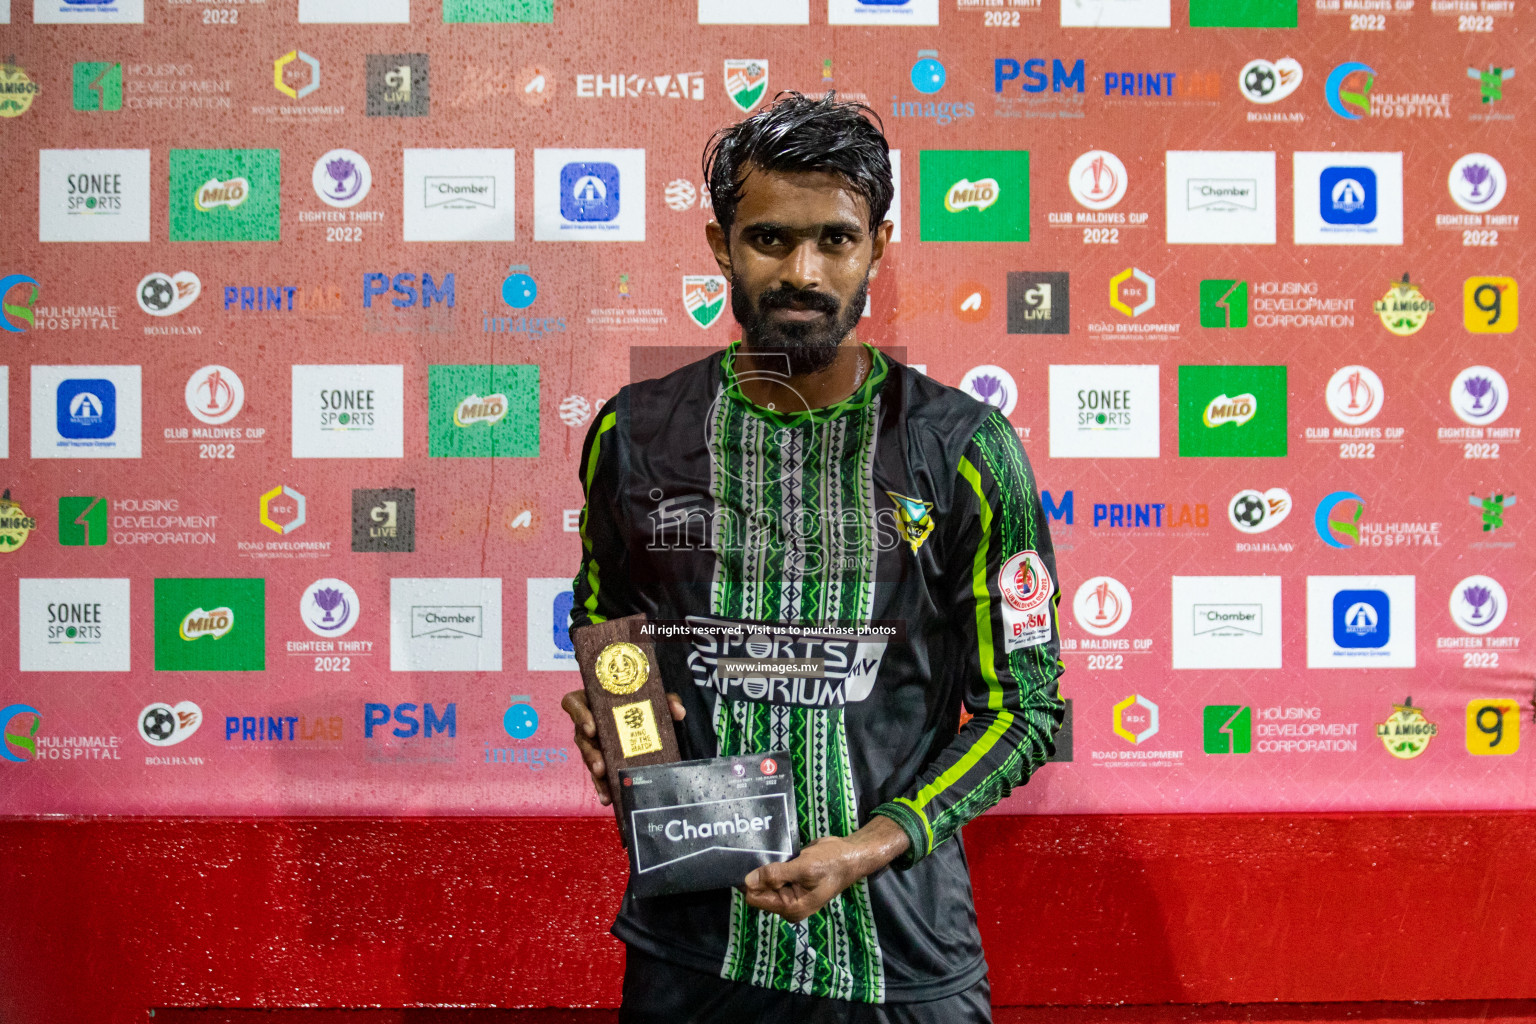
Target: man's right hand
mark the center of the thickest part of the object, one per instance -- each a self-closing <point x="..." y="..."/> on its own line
<point x="575" y="705"/>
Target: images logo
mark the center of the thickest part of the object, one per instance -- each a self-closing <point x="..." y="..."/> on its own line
<point x="1406" y="732"/>
<point x="1359" y="96"/>
<point x="974" y="195"/>
<point x="520" y="720"/>
<point x="1493" y="727"/>
<point x="1102" y="606"/>
<point x="210" y="624"/>
<point x="1223" y="304"/>
<point x="1491" y="82"/>
<point x="704" y="298"/>
<point x="1228" y="729"/>
<point x="1039" y="302"/>
<point x="168" y="294"/>
<point x="341" y="178"/>
<point x="928" y="74"/>
<point x="225" y="195"/>
<point x="1478" y="605"/>
<point x="1135" y="719"/>
<point x="746" y="82"/>
<point x="165" y="725"/>
<point x="1362" y="618"/>
<point x="1259" y="511"/>
<point x="1479" y="395"/>
<point x="1404" y="309"/>
<point x="1492" y="509"/>
<point x="1132" y="291"/>
<point x="480" y="411"/>
<point x="1098" y="180"/>
<point x="98" y="86"/>
<point x="1477" y="182"/>
<point x="215" y="394"/>
<point x="384" y="520"/>
<point x="82" y="521"/>
<point x="1490" y="305"/>
<point x="329" y="607"/>
<point x="1327" y="526"/>
<point x="22" y="311"/>
<point x="991" y="385"/>
<point x="282" y="510"/>
<point x="15" y="742"/>
<point x="518" y="288"/>
<point x="1232" y="411"/>
<point x="300" y="60"/>
<point x="1264" y="81"/>
<point x="1354" y="395"/>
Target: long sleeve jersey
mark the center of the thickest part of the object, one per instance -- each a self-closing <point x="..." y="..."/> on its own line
<point x="898" y="538"/>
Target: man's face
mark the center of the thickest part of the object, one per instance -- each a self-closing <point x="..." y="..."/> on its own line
<point x="799" y="260"/>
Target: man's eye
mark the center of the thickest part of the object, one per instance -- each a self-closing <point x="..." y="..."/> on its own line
<point x="838" y="239"/>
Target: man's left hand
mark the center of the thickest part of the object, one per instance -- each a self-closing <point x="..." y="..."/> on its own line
<point x="796" y="889"/>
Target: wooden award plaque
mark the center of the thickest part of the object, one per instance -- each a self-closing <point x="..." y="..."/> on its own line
<point x="627" y="697"/>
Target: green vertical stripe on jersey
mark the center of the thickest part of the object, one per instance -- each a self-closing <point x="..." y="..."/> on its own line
<point x="603" y="427"/>
<point x="789" y="480"/>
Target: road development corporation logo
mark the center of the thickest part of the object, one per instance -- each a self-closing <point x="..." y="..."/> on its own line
<point x="212" y="624"/>
<point x="1354" y="395"/>
<point x="18" y="738"/>
<point x="161" y="294"/>
<point x="1479" y="395"/>
<point x="214" y="394"/>
<point x="1493" y="727"/>
<point x="165" y="725"/>
<point x="1132" y="292"/>
<point x="1406" y="732"/>
<point x="1252" y="511"/>
<point x="1477" y="182"/>
<point x="1478" y="605"/>
<point x="341" y="178"/>
<point x="1269" y="81"/>
<point x="330" y="607"/>
<point x="1102" y="606"/>
<point x="1026" y="587"/>
<point x="1135" y="719"/>
<point x="1098" y="180"/>
<point x="991" y="385"/>
<point x="704" y="298"/>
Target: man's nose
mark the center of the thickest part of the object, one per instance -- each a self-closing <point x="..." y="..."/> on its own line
<point x="802" y="267"/>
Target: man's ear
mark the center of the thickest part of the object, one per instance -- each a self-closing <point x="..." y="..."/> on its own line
<point x="720" y="246"/>
<point x="878" y="241"/>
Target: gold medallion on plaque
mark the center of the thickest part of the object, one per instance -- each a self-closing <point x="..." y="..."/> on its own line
<point x="621" y="668"/>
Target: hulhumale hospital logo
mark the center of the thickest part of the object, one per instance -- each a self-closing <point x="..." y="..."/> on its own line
<point x="1348" y="90"/>
<point x="1331" y="529"/>
<point x="18" y="742"/>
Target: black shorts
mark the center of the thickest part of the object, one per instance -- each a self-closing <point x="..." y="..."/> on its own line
<point x="659" y="992"/>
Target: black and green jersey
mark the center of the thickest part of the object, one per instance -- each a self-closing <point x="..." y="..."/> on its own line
<point x="897" y="539"/>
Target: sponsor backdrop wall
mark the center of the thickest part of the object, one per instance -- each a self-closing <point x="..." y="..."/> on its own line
<point x="318" y="300"/>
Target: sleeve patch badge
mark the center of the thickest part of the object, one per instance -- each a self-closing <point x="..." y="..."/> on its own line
<point x="1026" y="586"/>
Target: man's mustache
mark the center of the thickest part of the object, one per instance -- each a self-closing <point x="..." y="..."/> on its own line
<point x="798" y="298"/>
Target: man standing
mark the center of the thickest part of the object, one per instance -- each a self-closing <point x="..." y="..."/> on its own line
<point x="801" y="478"/>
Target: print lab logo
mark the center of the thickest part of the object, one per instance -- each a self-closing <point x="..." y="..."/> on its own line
<point x="165" y="725"/>
<point x="1265" y="81"/>
<point x="398" y="85"/>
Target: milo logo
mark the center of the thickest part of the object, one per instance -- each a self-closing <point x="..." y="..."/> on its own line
<point x="1222" y="409"/>
<point x="200" y="623"/>
<point x="971" y="195"/>
<point x="489" y="410"/>
<point x="229" y="193"/>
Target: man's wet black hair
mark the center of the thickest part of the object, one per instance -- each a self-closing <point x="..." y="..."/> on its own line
<point x="798" y="133"/>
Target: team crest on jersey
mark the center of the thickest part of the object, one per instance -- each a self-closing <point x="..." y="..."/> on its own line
<point x="704" y="298"/>
<point x="746" y="81"/>
<point x="912" y="518"/>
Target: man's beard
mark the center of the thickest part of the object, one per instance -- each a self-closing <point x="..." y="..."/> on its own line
<point x="807" y="347"/>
